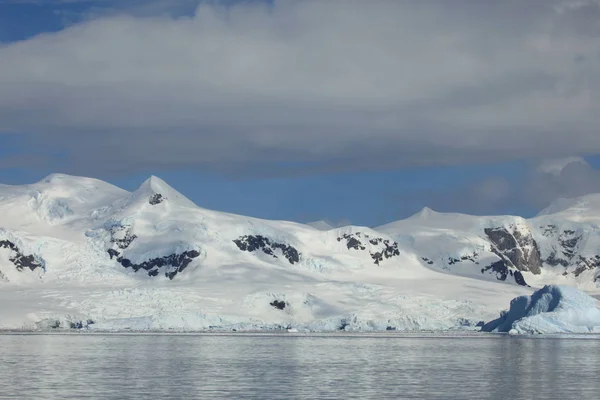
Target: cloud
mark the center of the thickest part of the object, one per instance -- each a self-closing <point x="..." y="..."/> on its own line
<point x="540" y="184"/>
<point x="488" y="196"/>
<point x="575" y="178"/>
<point x="556" y="166"/>
<point x="310" y="86"/>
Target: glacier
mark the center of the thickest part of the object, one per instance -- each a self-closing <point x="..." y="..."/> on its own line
<point x="551" y="309"/>
<point x="79" y="253"/>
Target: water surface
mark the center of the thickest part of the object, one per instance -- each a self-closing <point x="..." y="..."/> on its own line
<point x="297" y="366"/>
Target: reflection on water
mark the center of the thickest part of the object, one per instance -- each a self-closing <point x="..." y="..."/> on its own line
<point x="296" y="366"/>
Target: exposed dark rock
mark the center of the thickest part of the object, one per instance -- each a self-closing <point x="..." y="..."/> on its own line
<point x="520" y="279"/>
<point x="19" y="259"/>
<point x="251" y="243"/>
<point x="278" y="304"/>
<point x="549" y="230"/>
<point x="125" y="241"/>
<point x="503" y="271"/>
<point x="472" y="257"/>
<point x="584" y="264"/>
<point x="499" y="267"/>
<point x="516" y="249"/>
<point x="156" y="198"/>
<point x="554" y="261"/>
<point x="387" y="249"/>
<point x="355" y="244"/>
<point x="122" y="238"/>
<point x="176" y="262"/>
<point x="565" y="253"/>
<point x="113" y="253"/>
<point x="390" y="328"/>
<point x="452" y="261"/>
<point x="568" y="243"/>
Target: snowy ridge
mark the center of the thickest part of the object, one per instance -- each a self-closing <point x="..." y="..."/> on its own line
<point x="79" y="253"/>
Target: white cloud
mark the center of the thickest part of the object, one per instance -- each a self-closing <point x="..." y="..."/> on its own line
<point x="326" y="83"/>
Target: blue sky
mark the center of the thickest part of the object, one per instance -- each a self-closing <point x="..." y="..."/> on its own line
<point x="244" y="108"/>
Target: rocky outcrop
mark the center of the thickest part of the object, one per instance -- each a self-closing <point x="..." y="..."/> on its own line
<point x="566" y="252"/>
<point x="251" y="243"/>
<point x="20" y="260"/>
<point x="502" y="272"/>
<point x="566" y="248"/>
<point x="465" y="257"/>
<point x="156" y="199"/>
<point x="379" y="248"/>
<point x="515" y="248"/>
<point x="585" y="264"/>
<point x="499" y="269"/>
<point x="175" y="263"/>
<point x="278" y="304"/>
<point x="427" y="260"/>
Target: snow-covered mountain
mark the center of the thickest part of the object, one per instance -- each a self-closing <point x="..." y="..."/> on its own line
<point x="80" y="252"/>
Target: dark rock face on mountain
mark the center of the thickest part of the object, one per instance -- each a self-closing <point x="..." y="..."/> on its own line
<point x="427" y="260"/>
<point x="502" y="272"/>
<point x="19" y="259"/>
<point x="465" y="257"/>
<point x="278" y="304"/>
<point x="500" y="269"/>
<point x="564" y="252"/>
<point x="156" y="199"/>
<point x="251" y="243"/>
<point x="380" y="248"/>
<point x="176" y="263"/>
<point x="587" y="263"/>
<point x="515" y="248"/>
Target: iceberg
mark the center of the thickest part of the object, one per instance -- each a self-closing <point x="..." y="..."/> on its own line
<point x="552" y="309"/>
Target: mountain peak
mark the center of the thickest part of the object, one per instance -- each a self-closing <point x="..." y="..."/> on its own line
<point x="425" y="213"/>
<point x="54" y="177"/>
<point x="157" y="186"/>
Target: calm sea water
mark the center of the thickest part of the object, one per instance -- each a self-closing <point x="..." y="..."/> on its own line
<point x="291" y="366"/>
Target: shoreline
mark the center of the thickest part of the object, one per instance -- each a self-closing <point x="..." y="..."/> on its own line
<point x="333" y="334"/>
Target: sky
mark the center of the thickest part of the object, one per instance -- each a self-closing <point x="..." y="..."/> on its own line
<point x="351" y="111"/>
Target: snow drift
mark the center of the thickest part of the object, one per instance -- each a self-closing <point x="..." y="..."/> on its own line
<point x="552" y="309"/>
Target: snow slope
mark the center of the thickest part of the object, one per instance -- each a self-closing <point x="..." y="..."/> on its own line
<point x="81" y="253"/>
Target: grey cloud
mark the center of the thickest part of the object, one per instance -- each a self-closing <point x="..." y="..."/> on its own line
<point x="489" y="196"/>
<point x="575" y="179"/>
<point x="313" y="85"/>
<point x="543" y="183"/>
